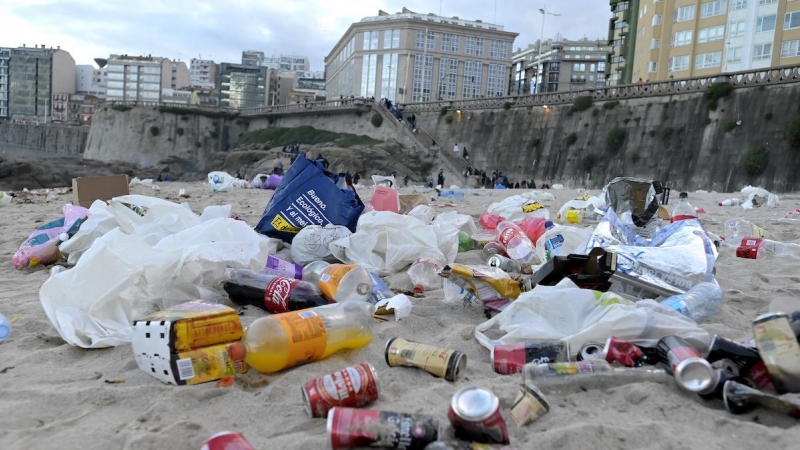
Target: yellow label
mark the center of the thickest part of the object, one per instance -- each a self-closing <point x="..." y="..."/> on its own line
<point x="331" y="277"/>
<point x="206" y="364"/>
<point x="281" y="224"/>
<point x="573" y="216"/>
<point x="583" y="197"/>
<point x="759" y="232"/>
<point x="529" y="405"/>
<point x="307" y="336"/>
<point x="199" y="324"/>
<point x="531" y="207"/>
<point x="427" y="357"/>
<point x="480" y="284"/>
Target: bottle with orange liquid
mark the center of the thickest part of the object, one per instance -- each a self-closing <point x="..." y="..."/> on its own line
<point x="285" y="340"/>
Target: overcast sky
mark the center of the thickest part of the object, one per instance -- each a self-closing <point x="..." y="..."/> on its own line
<point x="220" y="30"/>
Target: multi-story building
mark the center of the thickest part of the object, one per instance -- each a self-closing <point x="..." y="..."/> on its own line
<point x="292" y="63"/>
<point x="623" y="43"/>
<point x="5" y="57"/>
<point x="411" y="57"/>
<point x="523" y="72"/>
<point x="180" y="75"/>
<point x="252" y="58"/>
<point x="87" y="109"/>
<point x="90" y="81"/>
<point x="691" y="38"/>
<point x="202" y="73"/>
<point x="562" y="65"/>
<point x="138" y="77"/>
<point x="35" y="74"/>
<point x="243" y="85"/>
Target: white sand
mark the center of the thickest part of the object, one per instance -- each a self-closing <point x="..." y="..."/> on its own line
<point x="53" y="395"/>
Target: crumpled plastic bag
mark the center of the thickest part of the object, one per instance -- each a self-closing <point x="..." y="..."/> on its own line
<point x="463" y="222"/>
<point x="574" y="241"/>
<point x="126" y="274"/>
<point x="522" y="205"/>
<point x="385" y="242"/>
<point x="587" y="203"/>
<point x="678" y="257"/>
<point x="572" y="315"/>
<point x="757" y="196"/>
<point x="42" y="246"/>
<point x="492" y="286"/>
<point x="256" y="182"/>
<point x="221" y="181"/>
<point x="423" y="213"/>
<point x="490" y="221"/>
<point x="399" y="306"/>
<point x="312" y="243"/>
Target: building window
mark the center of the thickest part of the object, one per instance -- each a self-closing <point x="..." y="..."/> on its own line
<point x="765" y="23"/>
<point x="620" y="24"/>
<point x="706" y="60"/>
<point x="448" y="76"/>
<point x="714" y="8"/>
<point x="391" y="38"/>
<point x="450" y="43"/>
<point x="654" y="43"/>
<point x="472" y="79"/>
<point x="601" y="66"/>
<point x="734" y="55"/>
<point x="762" y="51"/>
<point x="474" y="46"/>
<point x="498" y="50"/>
<point x="711" y="34"/>
<point x="684" y="13"/>
<point x="738" y="4"/>
<point x="767" y="2"/>
<point x="656" y="20"/>
<point x="652" y="66"/>
<point x="737" y="29"/>
<point x="371" y="40"/>
<point x="423" y="71"/>
<point x="791" y="20"/>
<point x="368" y="72"/>
<point x="389" y="76"/>
<point x="579" y="67"/>
<point x="496" y="82"/>
<point x="790" y="49"/>
<point x="682" y="38"/>
<point x="678" y="63"/>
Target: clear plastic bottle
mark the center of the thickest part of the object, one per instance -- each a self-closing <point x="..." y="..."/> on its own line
<point x="424" y="273"/>
<point x="782" y="249"/>
<point x="518" y="245"/>
<point x="683" y="210"/>
<point x="285" y="340"/>
<point x="595" y="373"/>
<point x="493" y="248"/>
<point x="730" y="202"/>
<point x="5" y="327"/>
<point x="340" y="282"/>
<point x="701" y="301"/>
<point x="554" y="243"/>
<point x="736" y="229"/>
<point x="456" y="295"/>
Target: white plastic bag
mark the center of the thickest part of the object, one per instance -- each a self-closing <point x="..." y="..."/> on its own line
<point x="757" y="196"/>
<point x="511" y="208"/>
<point x="590" y="205"/>
<point x="575" y="241"/>
<point x="569" y="314"/>
<point x="423" y="213"/>
<point x="312" y="243"/>
<point x="221" y="181"/>
<point x="463" y="222"/>
<point x="385" y="242"/>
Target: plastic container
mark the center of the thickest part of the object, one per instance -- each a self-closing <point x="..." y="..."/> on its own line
<point x="554" y="243"/>
<point x="730" y="202"/>
<point x="465" y="243"/>
<point x="595" y="373"/>
<point x="701" y="301"/>
<point x="452" y="193"/>
<point x="424" y="273"/>
<point x="683" y="210"/>
<point x="456" y="295"/>
<point x="759" y="248"/>
<point x="736" y="229"/>
<point x="340" y="282"/>
<point x="5" y="327"/>
<point x="285" y="340"/>
<point x="518" y="245"/>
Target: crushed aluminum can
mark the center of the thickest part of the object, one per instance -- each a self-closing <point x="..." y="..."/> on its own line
<point x="621" y="351"/>
<point x="529" y="405"/>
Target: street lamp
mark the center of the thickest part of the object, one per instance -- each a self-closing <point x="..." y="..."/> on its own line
<point x="540" y="71"/>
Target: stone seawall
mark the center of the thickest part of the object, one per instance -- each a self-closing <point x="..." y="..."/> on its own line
<point x="48" y="138"/>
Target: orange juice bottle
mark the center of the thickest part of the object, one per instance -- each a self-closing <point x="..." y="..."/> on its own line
<point x="285" y="340"/>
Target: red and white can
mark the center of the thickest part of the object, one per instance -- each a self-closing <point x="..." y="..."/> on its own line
<point x="227" y="440"/>
<point x="475" y="415"/>
<point x="750" y="248"/>
<point x="353" y="427"/>
<point x="354" y="386"/>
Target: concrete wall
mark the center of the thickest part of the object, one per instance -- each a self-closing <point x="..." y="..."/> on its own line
<point x="126" y="136"/>
<point x="48" y="138"/>
<point x="675" y="139"/>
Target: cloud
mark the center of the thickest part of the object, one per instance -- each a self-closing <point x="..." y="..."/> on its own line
<point x="184" y="29"/>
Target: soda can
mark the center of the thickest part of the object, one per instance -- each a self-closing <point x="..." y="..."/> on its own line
<point x="508" y="359"/>
<point x="503" y="263"/>
<point x="591" y="350"/>
<point x="441" y="362"/>
<point x="494" y="248"/>
<point x="739" y="360"/>
<point x="690" y="370"/>
<point x="354" y="386"/>
<point x="227" y="440"/>
<point x="529" y="405"/>
<point x="475" y="415"/>
<point x="779" y="350"/>
<point x="352" y="427"/>
<point x="626" y="353"/>
<point x="719" y="379"/>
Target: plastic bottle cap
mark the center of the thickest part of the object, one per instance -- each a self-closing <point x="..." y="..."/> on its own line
<point x="419" y="289"/>
<point x="4" y="331"/>
<point x="237" y="351"/>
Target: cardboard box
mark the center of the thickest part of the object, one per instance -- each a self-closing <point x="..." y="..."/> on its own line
<point x="85" y="190"/>
<point x="196" y="366"/>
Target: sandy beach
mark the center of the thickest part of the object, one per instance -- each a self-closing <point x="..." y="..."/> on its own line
<point x="57" y="396"/>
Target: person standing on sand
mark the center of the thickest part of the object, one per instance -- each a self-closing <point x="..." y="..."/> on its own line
<point x="440" y="178"/>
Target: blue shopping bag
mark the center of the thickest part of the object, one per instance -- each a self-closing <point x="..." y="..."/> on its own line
<point x="308" y="195"/>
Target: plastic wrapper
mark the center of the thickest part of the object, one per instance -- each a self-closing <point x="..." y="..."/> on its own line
<point x="572" y="315"/>
<point x="589" y="204"/>
<point x="385" y="196"/>
<point x="312" y="243"/>
<point x="398" y="306"/>
<point x="521" y="206"/>
<point x="757" y="197"/>
<point x="489" y="221"/>
<point x="41" y="247"/>
<point x="460" y="221"/>
<point x="678" y="257"/>
<point x="423" y="213"/>
<point x="221" y="181"/>
<point x="575" y="241"/>
<point x="385" y="242"/>
<point x="492" y="286"/>
<point x="533" y="227"/>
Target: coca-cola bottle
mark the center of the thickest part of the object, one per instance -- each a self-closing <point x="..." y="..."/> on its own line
<point x="273" y="293"/>
<point x="683" y="210"/>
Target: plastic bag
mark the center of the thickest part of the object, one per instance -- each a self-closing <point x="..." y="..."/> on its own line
<point x="273" y="181"/>
<point x="460" y="221"/>
<point x="492" y="286"/>
<point x="221" y="181"/>
<point x="521" y="206"/>
<point x="386" y="242"/>
<point x="423" y="213"/>
<point x="575" y="241"/>
<point x="307" y="196"/>
<point x="533" y="227"/>
<point x="385" y="196"/>
<point x="41" y="247"/>
<point x="757" y="196"/>
<point x="489" y="221"/>
<point x="312" y="243"/>
<point x="588" y="204"/>
<point x="572" y="315"/>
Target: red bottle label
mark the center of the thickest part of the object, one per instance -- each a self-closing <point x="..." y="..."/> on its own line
<point x="506" y="236"/>
<point x="276" y="295"/>
<point x="682" y="217"/>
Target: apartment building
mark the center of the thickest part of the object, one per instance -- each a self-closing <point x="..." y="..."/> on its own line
<point x="563" y="65"/>
<point x="243" y="85"/>
<point x="180" y="75"/>
<point x="34" y="75"/>
<point x="5" y="57"/>
<point x="252" y="58"/>
<point x="202" y="73"/>
<point x="691" y="38"/>
<point x="138" y="78"/>
<point x="413" y="57"/>
<point x="91" y="81"/>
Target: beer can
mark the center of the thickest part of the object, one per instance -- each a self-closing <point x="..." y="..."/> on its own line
<point x="719" y="378"/>
<point x="621" y="351"/>
<point x="508" y="359"/>
<point x="779" y="350"/>
<point x="591" y="350"/>
<point x="690" y="370"/>
<point x="739" y="360"/>
<point x="353" y="386"/>
<point x="475" y="415"/>
<point x="441" y="362"/>
<point x="529" y="405"/>
<point x="353" y="427"/>
<point x="503" y="263"/>
<point x="227" y="440"/>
